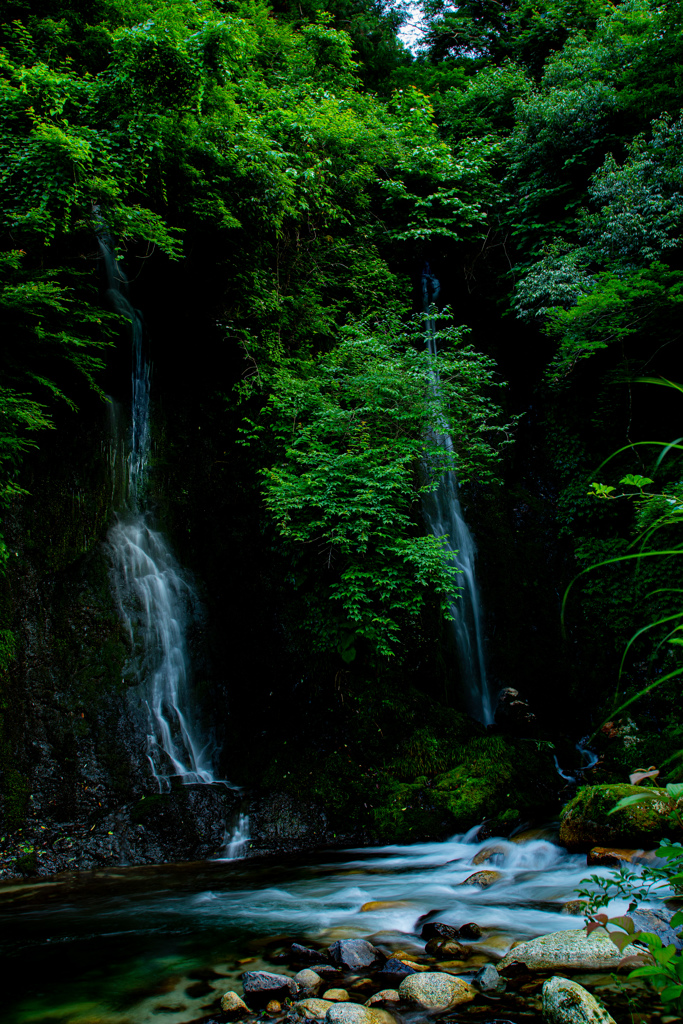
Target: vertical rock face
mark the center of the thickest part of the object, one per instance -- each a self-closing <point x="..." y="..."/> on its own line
<point x="74" y="772"/>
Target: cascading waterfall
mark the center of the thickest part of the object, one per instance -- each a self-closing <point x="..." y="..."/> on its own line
<point x="443" y="514"/>
<point x="155" y="600"/>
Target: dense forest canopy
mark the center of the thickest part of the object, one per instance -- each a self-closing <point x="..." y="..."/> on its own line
<point x="275" y="178"/>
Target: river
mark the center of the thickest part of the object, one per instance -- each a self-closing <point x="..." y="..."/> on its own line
<point x="161" y="944"/>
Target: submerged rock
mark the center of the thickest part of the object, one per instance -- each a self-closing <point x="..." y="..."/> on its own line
<point x="566" y="1002"/>
<point x="573" y="950"/>
<point x="483" y="878"/>
<point x="434" y="991"/>
<point x="488" y="853"/>
<point x="383" y="905"/>
<point x="354" y="954"/>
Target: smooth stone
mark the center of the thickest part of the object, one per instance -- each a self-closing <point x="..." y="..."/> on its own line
<point x="383" y="905"/>
<point x="353" y="954"/>
<point x="483" y="878"/>
<point x="487" y="853"/>
<point x="566" y="1002"/>
<point x="489" y="980"/>
<point x="273" y="1006"/>
<point x="438" y="930"/>
<point x="572" y="949"/>
<point x="354" y="1013"/>
<point x="387" y="995"/>
<point x="308" y="980"/>
<point x="448" y="948"/>
<point x="259" y="985"/>
<point x="470" y="930"/>
<point x="336" y="995"/>
<point x="312" y="1009"/>
<point x="231" y="1003"/>
<point x="613" y="856"/>
<point x="434" y="991"/>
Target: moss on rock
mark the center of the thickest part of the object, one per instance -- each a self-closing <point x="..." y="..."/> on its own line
<point x="587" y="822"/>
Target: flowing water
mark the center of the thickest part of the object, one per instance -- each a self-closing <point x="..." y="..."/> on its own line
<point x="161" y="944"/>
<point x="156" y="599"/>
<point x="444" y="517"/>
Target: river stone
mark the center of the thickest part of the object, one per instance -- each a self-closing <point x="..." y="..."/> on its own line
<point x="308" y="980"/>
<point x="434" y="991"/>
<point x="438" y="930"/>
<point x="393" y="972"/>
<point x="262" y="986"/>
<point x="354" y="1013"/>
<point x="231" y="1003"/>
<point x="488" y="980"/>
<point x="448" y="948"/>
<point x="483" y="878"/>
<point x="487" y="853"/>
<point x="353" y="954"/>
<point x="325" y="970"/>
<point x="470" y="930"/>
<point x="658" y="922"/>
<point x="383" y="905"/>
<point x="302" y="954"/>
<point x="387" y="995"/>
<point x="570" y="950"/>
<point x="312" y="1009"/>
<point x="566" y="1002"/>
<point x="336" y="995"/>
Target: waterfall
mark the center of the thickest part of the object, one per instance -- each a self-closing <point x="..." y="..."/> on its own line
<point x="156" y="601"/>
<point x="443" y="514"/>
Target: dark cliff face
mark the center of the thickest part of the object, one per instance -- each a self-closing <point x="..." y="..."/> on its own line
<point x="76" y="784"/>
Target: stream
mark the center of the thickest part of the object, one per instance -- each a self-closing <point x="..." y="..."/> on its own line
<point x="162" y="943"/>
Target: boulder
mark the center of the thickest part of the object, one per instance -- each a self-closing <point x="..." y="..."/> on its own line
<point x="354" y="954"/>
<point x="312" y="1009"/>
<point x="570" y="950"/>
<point x="354" y="1013"/>
<point x="434" y="991"/>
<point x="308" y="980"/>
<point x="387" y="995"/>
<point x="262" y="986"/>
<point x="231" y="1003"/>
<point x="438" y="930"/>
<point x="483" y="878"/>
<point x="658" y="922"/>
<point x="488" y="980"/>
<point x="566" y="1002"/>
<point x="586" y="821"/>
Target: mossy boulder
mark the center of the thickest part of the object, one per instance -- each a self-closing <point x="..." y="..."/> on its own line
<point x="586" y="821"/>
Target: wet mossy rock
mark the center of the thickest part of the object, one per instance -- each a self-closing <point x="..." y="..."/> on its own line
<point x="586" y="821"/>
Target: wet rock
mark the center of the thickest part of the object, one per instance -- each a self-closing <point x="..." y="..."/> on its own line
<point x="326" y="971"/>
<point x="273" y="1006"/>
<point x="447" y="948"/>
<point x="312" y="1009"/>
<point x="577" y="907"/>
<point x="304" y="955"/>
<point x="354" y="1013"/>
<point x="658" y="922"/>
<point x="566" y="1002"/>
<point x="383" y="905"/>
<point x="586" y="821"/>
<point x="488" y="980"/>
<point x="393" y="972"/>
<point x="470" y="930"/>
<point x="488" y="853"/>
<point x="336" y="995"/>
<point x="512" y="711"/>
<point x="262" y="986"/>
<point x="438" y="930"/>
<point x="571" y="950"/>
<point x="231" y="1003"/>
<point x="483" y="878"/>
<point x="434" y="991"/>
<point x="387" y="995"/>
<point x="353" y="954"/>
<point x="308" y="980"/>
<point x="612" y="856"/>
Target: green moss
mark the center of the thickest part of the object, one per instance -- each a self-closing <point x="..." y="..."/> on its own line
<point x="16" y="790"/>
<point x="150" y="806"/>
<point x="8" y="646"/>
<point x="586" y="820"/>
<point x="27" y="863"/>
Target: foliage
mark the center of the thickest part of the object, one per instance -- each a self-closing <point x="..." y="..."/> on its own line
<point x="356" y="432"/>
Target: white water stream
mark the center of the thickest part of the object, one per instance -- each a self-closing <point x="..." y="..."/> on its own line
<point x="155" y="598"/>
<point x="444" y="517"/>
